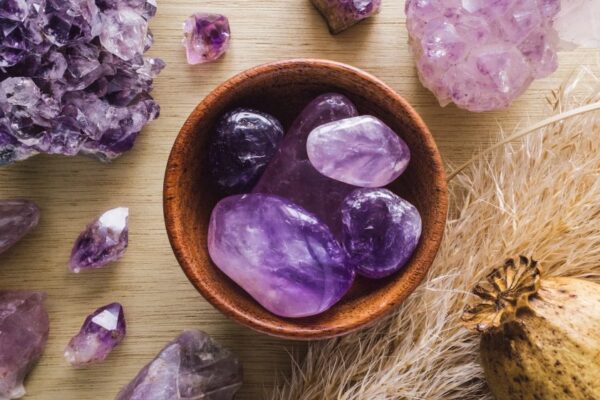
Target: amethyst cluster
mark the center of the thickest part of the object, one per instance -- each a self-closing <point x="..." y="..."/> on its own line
<point x="318" y="215"/>
<point x="73" y="77"/>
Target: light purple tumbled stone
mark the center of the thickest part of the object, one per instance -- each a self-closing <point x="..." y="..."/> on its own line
<point x="101" y="332"/>
<point x="17" y="218"/>
<point x="24" y="327"/>
<point x="192" y="366"/>
<point x="342" y="14"/>
<point x="206" y="37"/>
<point x="279" y="253"/>
<point x="381" y="231"/>
<point x="105" y="240"/>
<point x="290" y="173"/>
<point x="361" y="151"/>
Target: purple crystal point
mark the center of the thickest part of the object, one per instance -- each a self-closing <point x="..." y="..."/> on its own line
<point x="192" y="366"/>
<point x="104" y="241"/>
<point x="73" y="78"/>
<point x="243" y="144"/>
<point x="381" y="231"/>
<point x="342" y="14"/>
<point x="291" y="175"/>
<point x="101" y="332"/>
<point x="17" y="218"/>
<point x="279" y="253"/>
<point x="206" y="37"/>
<point x="360" y="151"/>
<point x="24" y="326"/>
<point x="482" y="54"/>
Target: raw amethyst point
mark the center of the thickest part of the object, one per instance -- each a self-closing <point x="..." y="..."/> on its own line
<point x="243" y="143"/>
<point x="342" y="14"/>
<point x="381" y="231"/>
<point x="17" y="218"/>
<point x="206" y="37"/>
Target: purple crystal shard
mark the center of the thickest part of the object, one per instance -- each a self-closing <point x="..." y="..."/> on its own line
<point x="73" y="77"/>
<point x="101" y="332"/>
<point x="17" y="218"/>
<point x="360" y="151"/>
<point x="104" y="241"/>
<point x="244" y="142"/>
<point x="482" y="54"/>
<point x="381" y="231"/>
<point x="206" y="37"/>
<point x="291" y="175"/>
<point x="24" y="326"/>
<point x="192" y="366"/>
<point x="342" y="14"/>
<point x="279" y="253"/>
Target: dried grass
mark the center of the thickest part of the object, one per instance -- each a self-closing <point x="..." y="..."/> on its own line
<point x="539" y="197"/>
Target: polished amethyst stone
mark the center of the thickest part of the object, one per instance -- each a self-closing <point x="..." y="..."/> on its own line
<point x="17" y="218"/>
<point x="279" y="253"/>
<point x="342" y="14"/>
<point x="361" y="151"/>
<point x="242" y="145"/>
<point x="291" y="175"/>
<point x="73" y="78"/>
<point x="381" y="231"/>
<point x="192" y="366"/>
<point x="206" y="37"/>
<point x="101" y="332"/>
<point x="104" y="241"/>
<point x="24" y="330"/>
<point x="482" y="54"/>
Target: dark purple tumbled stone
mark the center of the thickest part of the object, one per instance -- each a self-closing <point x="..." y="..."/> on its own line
<point x="279" y="253"/>
<point x="17" y="218"/>
<point x="242" y="145"/>
<point x="192" y="366"/>
<point x="24" y="328"/>
<point x="381" y="231"/>
<point x="101" y="332"/>
<point x="291" y="175"/>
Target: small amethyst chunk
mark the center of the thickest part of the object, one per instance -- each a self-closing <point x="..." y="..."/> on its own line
<point x="24" y="326"/>
<point x="381" y="231"/>
<point x="17" y="218"/>
<point x="104" y="241"/>
<point x="206" y="37"/>
<point x="360" y="151"/>
<point x="244" y="142"/>
<point x="101" y="332"/>
<point x="342" y="14"/>
<point x="279" y="253"/>
<point x="192" y="366"/>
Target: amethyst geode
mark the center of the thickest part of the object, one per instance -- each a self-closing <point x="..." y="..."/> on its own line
<point x="279" y="253"/>
<point x="192" y="366"/>
<point x="24" y="327"/>
<point x="73" y="78"/>
<point x="342" y="14"/>
<point x="101" y="332"/>
<point x="17" y="218"/>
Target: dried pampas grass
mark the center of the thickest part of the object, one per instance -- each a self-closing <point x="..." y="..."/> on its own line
<point x="540" y="197"/>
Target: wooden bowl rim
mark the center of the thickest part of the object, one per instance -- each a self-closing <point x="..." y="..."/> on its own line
<point x="178" y="240"/>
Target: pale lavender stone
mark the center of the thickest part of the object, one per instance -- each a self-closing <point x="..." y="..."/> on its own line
<point x="279" y="253"/>
<point x="342" y="14"/>
<point x="17" y="219"/>
<point x="290" y="173"/>
<point x="206" y="37"/>
<point x="361" y="151"/>
<point x="104" y="241"/>
<point x="381" y="231"/>
<point x="192" y="366"/>
<point x="24" y="328"/>
<point x="100" y="333"/>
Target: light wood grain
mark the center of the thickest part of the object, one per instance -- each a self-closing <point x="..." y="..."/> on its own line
<point x="159" y="302"/>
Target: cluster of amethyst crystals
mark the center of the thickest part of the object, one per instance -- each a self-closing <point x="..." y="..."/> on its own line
<point x="318" y="214"/>
<point x="73" y="76"/>
<point x="482" y="54"/>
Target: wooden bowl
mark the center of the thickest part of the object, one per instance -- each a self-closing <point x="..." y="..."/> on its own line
<point x="283" y="89"/>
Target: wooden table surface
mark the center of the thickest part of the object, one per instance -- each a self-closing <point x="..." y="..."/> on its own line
<point x="159" y="302"/>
